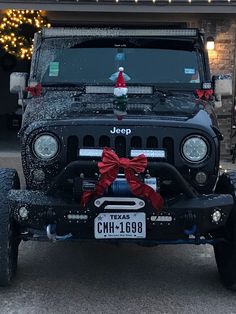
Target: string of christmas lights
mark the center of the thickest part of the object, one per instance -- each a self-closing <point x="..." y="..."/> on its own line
<point x="16" y="31"/>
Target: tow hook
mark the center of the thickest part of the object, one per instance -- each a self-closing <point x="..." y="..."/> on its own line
<point x="52" y="236"/>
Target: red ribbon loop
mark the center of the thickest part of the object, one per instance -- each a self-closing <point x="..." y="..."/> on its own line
<point x="110" y="161"/>
<point x="109" y="169"/>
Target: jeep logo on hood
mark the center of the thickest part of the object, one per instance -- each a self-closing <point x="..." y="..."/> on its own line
<point x="120" y="131"/>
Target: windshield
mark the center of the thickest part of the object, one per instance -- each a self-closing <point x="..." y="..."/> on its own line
<point x="96" y="62"/>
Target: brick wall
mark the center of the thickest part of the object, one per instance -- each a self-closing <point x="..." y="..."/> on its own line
<point x="222" y="60"/>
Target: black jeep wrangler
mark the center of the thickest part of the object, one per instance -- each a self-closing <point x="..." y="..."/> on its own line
<point x="120" y="143"/>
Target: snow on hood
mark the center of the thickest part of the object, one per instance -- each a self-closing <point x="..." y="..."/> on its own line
<point x="64" y="104"/>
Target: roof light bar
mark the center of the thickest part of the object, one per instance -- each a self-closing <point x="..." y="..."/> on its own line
<point x="106" y="32"/>
<point x="149" y="153"/>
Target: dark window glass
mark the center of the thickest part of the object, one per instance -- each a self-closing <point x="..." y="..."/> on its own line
<point x="99" y="65"/>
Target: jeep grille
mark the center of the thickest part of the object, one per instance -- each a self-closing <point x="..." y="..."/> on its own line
<point x="121" y="144"/>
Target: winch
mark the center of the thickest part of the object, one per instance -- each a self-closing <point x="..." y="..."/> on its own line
<point x="120" y="186"/>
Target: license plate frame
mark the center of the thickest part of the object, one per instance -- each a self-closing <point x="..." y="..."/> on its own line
<point x="130" y="225"/>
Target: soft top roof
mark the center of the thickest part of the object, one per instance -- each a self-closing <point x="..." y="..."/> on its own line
<point x="114" y="32"/>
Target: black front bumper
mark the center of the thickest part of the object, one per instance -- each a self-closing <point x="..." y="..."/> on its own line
<point x="181" y="218"/>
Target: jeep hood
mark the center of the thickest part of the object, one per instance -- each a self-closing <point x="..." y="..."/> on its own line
<point x="62" y="106"/>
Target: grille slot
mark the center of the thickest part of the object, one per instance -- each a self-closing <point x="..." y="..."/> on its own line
<point x="104" y="141"/>
<point x="152" y="142"/>
<point x="120" y="146"/>
<point x="168" y="144"/>
<point x="136" y="142"/>
<point x="72" y="148"/>
<point x="88" y="141"/>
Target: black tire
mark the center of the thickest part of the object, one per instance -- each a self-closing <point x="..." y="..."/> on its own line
<point x="225" y="252"/>
<point x="9" y="242"/>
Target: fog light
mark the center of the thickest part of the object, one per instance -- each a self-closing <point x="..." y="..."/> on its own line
<point x="77" y="217"/>
<point x="39" y="175"/>
<point x="201" y="177"/>
<point x="216" y="216"/>
<point x="23" y="212"/>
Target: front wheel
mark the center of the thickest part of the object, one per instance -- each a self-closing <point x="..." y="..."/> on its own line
<point x="225" y="251"/>
<point x="8" y="228"/>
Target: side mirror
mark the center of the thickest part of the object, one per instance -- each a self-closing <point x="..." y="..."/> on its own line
<point x="18" y="82"/>
<point x="223" y="86"/>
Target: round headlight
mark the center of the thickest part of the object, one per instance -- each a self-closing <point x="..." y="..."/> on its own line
<point x="46" y="147"/>
<point x="194" y="149"/>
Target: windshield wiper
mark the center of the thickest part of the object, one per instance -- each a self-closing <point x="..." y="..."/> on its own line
<point x="61" y="84"/>
<point x="162" y="92"/>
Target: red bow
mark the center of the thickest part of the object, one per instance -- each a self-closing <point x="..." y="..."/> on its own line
<point x="34" y="90"/>
<point x="201" y="93"/>
<point x="109" y="169"/>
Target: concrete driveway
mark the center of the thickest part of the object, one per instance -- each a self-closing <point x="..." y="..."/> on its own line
<point x="97" y="278"/>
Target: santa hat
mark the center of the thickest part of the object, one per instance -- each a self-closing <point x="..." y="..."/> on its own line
<point x="120" y="87"/>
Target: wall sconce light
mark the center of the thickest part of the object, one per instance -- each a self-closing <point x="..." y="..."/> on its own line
<point x="210" y="45"/>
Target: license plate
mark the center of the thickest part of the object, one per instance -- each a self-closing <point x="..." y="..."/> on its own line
<point x="120" y="225"/>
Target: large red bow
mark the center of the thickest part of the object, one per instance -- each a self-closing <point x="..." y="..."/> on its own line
<point x="109" y="169"/>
